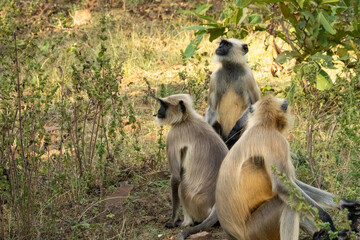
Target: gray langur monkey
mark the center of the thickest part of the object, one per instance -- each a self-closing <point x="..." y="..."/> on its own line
<point x="194" y="152"/>
<point x="232" y="87"/>
<point x="252" y="203"/>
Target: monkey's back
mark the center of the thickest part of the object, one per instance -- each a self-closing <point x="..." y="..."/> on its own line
<point x="199" y="165"/>
<point x="243" y="186"/>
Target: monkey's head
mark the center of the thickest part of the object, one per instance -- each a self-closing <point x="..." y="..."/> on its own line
<point x="270" y="112"/>
<point x="231" y="50"/>
<point x="175" y="109"/>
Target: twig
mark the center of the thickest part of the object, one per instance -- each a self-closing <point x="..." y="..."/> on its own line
<point x="19" y="100"/>
<point x="310" y="130"/>
<point x="96" y="135"/>
<point x="288" y="39"/>
<point x="150" y="92"/>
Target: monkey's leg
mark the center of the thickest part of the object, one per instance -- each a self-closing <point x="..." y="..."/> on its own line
<point x="187" y="218"/>
<point x="266" y="216"/>
<point x="264" y="222"/>
<point x="206" y="224"/>
<point x="210" y="116"/>
<point x="175" y="182"/>
<point x="289" y="224"/>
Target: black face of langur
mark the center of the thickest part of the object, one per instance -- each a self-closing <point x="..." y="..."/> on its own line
<point x="172" y="112"/>
<point x="162" y="110"/>
<point x="225" y="46"/>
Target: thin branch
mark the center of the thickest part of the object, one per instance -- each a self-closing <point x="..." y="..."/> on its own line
<point x="287" y="35"/>
<point x="150" y="92"/>
<point x="19" y="99"/>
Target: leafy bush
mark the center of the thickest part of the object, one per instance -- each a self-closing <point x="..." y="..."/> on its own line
<point x="318" y="39"/>
<point x="314" y="30"/>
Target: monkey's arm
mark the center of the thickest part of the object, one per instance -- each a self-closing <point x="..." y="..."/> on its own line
<point x="211" y="114"/>
<point x="205" y="225"/>
<point x="237" y="130"/>
<point x="326" y="200"/>
<point x="253" y="91"/>
<point x="289" y="215"/>
<point x="174" y="162"/>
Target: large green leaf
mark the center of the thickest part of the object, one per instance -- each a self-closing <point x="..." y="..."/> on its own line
<point x="323" y="38"/>
<point x="207" y="18"/>
<point x="283" y="57"/>
<point x="202" y="9"/>
<point x="323" y="81"/>
<point x="326" y="24"/>
<point x="193" y="45"/>
<point x="238" y="15"/>
<point x="215" y="33"/>
<point x="195" y="27"/>
<point x="242" y="3"/>
<point x="329" y="1"/>
<point x="254" y="18"/>
<point x="301" y="3"/>
<point x="287" y="13"/>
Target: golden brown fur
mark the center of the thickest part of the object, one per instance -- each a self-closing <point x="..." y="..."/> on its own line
<point x="230" y="108"/>
<point x="244" y="184"/>
<point x="195" y="153"/>
<point x="252" y="203"/>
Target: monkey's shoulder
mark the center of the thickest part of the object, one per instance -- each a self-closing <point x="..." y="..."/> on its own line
<point x="196" y="131"/>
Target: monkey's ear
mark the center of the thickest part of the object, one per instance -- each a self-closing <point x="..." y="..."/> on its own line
<point x="285" y="105"/>
<point x="245" y="48"/>
<point x="160" y="101"/>
<point x="182" y="106"/>
<point x="251" y="109"/>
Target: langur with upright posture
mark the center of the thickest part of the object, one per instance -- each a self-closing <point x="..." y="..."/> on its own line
<point x="194" y="152"/>
<point x="232" y="87"/>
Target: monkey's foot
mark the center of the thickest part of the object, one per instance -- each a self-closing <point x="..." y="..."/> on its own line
<point x="172" y="224"/>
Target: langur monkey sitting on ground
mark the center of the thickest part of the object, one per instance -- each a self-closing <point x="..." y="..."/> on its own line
<point x="232" y="87"/>
<point x="195" y="153"/>
<point x="252" y="201"/>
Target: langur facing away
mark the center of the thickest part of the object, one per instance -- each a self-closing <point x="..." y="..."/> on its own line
<point x="194" y="152"/>
<point x="252" y="200"/>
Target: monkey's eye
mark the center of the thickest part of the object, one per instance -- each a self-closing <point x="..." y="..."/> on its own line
<point x="246" y="48"/>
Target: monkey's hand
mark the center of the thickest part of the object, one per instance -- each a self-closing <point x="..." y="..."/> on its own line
<point x="354" y="212"/>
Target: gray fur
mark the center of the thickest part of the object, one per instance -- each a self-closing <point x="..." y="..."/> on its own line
<point x="233" y="74"/>
<point x="194" y="152"/>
